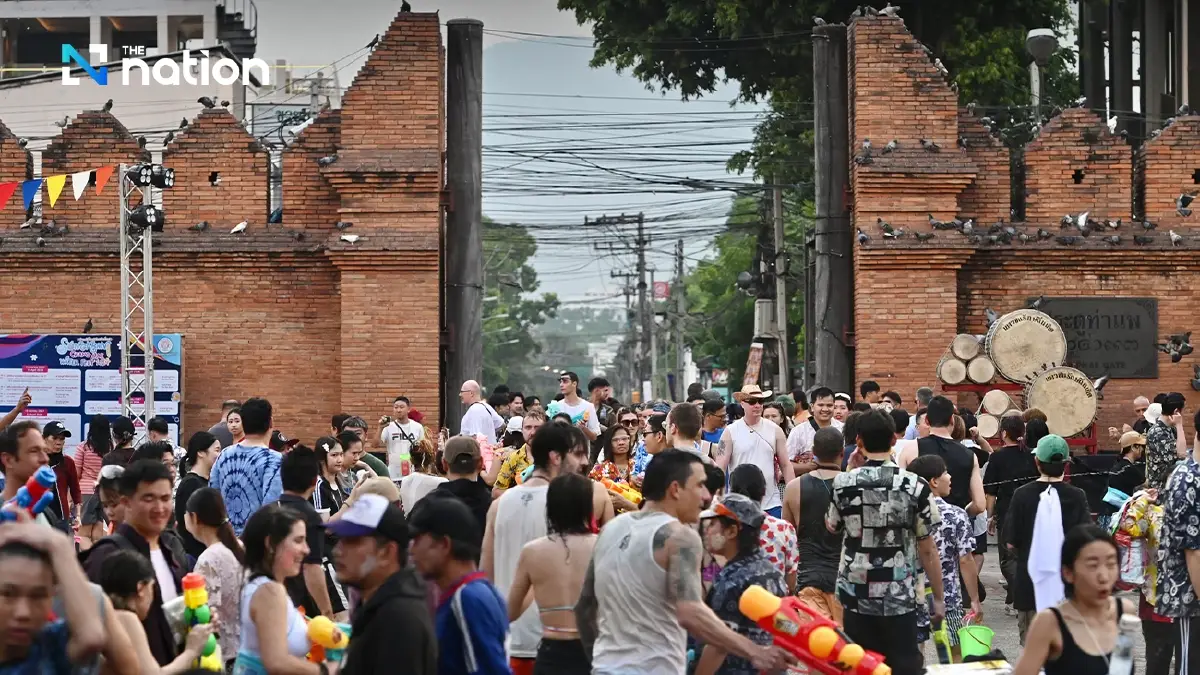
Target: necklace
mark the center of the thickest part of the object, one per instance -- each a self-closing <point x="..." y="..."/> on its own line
<point x="1095" y="642"/>
<point x="535" y="476"/>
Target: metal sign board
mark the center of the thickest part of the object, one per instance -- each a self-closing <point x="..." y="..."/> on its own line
<point x="1106" y="335"/>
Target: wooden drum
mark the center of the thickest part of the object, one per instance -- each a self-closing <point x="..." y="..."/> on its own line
<point x="951" y="370"/>
<point x="966" y="346"/>
<point x="988" y="425"/>
<point x="980" y="370"/>
<point x="996" y="402"/>
<point x="1067" y="397"/>
<point x="1023" y="343"/>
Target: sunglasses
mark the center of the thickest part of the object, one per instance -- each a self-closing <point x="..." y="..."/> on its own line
<point x="565" y="379"/>
<point x="629" y="423"/>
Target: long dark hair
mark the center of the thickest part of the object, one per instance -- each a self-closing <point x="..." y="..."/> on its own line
<point x="265" y="531"/>
<point x="198" y="443"/>
<point x="569" y="505"/>
<point x="99" y="435"/>
<point x="207" y="505"/>
<point x="1074" y="543"/>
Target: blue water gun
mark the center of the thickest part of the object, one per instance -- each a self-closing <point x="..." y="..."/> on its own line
<point x="34" y="496"/>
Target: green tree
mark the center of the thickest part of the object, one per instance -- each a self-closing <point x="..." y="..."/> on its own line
<point x="721" y="317"/>
<point x="765" y="46"/>
<point x="510" y="307"/>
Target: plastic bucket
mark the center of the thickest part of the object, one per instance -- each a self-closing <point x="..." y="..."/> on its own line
<point x="975" y="640"/>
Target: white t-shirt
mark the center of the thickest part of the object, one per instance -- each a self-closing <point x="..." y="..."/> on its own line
<point x="415" y="486"/>
<point x="800" y="441"/>
<point x="162" y="574"/>
<point x="480" y="420"/>
<point x="583" y="411"/>
<point x="398" y="439"/>
<point x="756" y="445"/>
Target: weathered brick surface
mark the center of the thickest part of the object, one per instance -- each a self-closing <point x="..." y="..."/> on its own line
<point x="911" y="298"/>
<point x="1076" y="145"/>
<point x="93" y="139"/>
<point x="1166" y="167"/>
<point x="216" y="142"/>
<point x="288" y="311"/>
<point x="15" y="165"/>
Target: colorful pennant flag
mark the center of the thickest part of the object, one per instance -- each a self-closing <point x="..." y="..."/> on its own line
<point x="102" y="176"/>
<point x="6" y="192"/>
<point x="29" y="190"/>
<point x="54" y="187"/>
<point x="79" y="183"/>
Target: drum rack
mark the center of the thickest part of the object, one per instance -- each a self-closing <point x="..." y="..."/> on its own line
<point x="1087" y="439"/>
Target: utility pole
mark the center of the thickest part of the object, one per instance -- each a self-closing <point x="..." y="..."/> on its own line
<point x="645" y="316"/>
<point x="781" y="304"/>
<point x="653" y="314"/>
<point x="833" y="281"/>
<point x="631" y="335"/>
<point x="315" y="86"/>
<point x="680" y="314"/>
<point x="464" y="226"/>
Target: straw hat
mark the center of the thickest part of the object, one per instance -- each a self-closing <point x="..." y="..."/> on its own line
<point x="752" y="392"/>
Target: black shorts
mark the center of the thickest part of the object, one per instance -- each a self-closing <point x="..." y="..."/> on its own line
<point x="92" y="511"/>
<point x="895" y="637"/>
<point x="562" y="657"/>
<point x="981" y="544"/>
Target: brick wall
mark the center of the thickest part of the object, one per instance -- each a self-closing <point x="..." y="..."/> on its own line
<point x="216" y="143"/>
<point x="15" y="165"/>
<point x="317" y="325"/>
<point x="92" y="139"/>
<point x="911" y="298"/>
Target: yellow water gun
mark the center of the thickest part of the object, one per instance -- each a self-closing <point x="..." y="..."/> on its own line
<point x="625" y="490"/>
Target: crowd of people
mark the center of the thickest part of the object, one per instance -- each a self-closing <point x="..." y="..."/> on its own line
<point x="587" y="536"/>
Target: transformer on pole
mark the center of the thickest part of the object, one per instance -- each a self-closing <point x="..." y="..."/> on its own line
<point x="139" y="220"/>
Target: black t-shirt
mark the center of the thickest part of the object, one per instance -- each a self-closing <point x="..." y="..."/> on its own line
<point x="1008" y="468"/>
<point x="315" y="533"/>
<point x="1018" y="529"/>
<point x="960" y="464"/>
<point x="328" y="495"/>
<point x="1127" y="476"/>
<point x="187" y="485"/>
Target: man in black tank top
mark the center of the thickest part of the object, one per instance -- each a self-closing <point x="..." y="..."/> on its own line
<point x="805" y="503"/>
<point x="966" y="481"/>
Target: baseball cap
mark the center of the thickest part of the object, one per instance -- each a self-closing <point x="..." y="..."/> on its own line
<point x="445" y="516"/>
<point x="514" y="424"/>
<point x="1132" y="438"/>
<point x="281" y="443"/>
<point x="371" y="515"/>
<point x="461" y="453"/>
<point x="1051" y="448"/>
<point x="737" y="507"/>
<point x="55" y="429"/>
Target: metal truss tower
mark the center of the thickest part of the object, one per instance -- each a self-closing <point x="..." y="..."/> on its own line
<point x="137" y="305"/>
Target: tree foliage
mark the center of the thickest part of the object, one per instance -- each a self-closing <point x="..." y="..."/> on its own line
<point x="765" y="46"/>
<point x="510" y="307"/>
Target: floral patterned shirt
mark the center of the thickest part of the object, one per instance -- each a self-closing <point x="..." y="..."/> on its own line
<point x="883" y="511"/>
<point x="1161" y="455"/>
<point x="738" y="575"/>
<point x="954" y="540"/>
<point x="778" y="541"/>
<point x="612" y="472"/>
<point x="224" y="578"/>
<point x="512" y="466"/>
<point x="1180" y="533"/>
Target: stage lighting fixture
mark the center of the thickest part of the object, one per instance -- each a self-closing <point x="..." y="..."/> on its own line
<point x="148" y="215"/>
<point x="145" y="175"/>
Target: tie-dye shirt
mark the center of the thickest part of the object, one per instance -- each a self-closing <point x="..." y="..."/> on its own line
<point x="247" y="477"/>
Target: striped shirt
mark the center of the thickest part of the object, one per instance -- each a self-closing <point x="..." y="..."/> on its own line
<point x="88" y="463"/>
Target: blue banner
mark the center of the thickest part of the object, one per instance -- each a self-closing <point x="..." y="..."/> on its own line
<point x="72" y="377"/>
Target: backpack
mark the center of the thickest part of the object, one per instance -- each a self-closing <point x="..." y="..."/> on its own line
<point x="168" y="540"/>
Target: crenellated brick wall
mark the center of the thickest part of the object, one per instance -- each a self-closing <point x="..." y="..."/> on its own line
<point x="911" y="298"/>
<point x="288" y="310"/>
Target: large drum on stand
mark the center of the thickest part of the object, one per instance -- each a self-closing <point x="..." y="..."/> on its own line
<point x="1024" y="343"/>
<point x="1067" y="397"/>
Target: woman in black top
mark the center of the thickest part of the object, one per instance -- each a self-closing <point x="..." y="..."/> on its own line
<point x="202" y="451"/>
<point x="328" y="499"/>
<point x="1078" y="636"/>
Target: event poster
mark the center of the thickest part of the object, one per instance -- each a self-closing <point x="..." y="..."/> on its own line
<point x="73" y="377"/>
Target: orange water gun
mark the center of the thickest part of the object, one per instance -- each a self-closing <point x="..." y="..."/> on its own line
<point x="814" y="640"/>
<point x="626" y="491"/>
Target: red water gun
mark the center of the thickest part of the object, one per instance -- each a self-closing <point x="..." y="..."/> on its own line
<point x="814" y="640"/>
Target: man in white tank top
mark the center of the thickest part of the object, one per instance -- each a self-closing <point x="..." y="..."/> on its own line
<point x="519" y="517"/>
<point x="757" y="441"/>
<point x="643" y="595"/>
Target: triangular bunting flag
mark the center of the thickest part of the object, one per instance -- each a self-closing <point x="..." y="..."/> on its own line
<point x="29" y="190"/>
<point x="102" y="176"/>
<point x="79" y="183"/>
<point x="54" y="187"/>
<point x="6" y="192"/>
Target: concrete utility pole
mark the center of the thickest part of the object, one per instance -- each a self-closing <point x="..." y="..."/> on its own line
<point x="834" y="289"/>
<point x="645" y="315"/>
<point x="464" y="220"/>
<point x="653" y="315"/>
<point x="680" y="315"/>
<point x="781" y="304"/>
<point x="634" y="381"/>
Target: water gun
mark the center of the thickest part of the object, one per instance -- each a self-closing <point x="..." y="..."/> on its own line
<point x="328" y="639"/>
<point x="941" y="641"/>
<point x="34" y="496"/>
<point x="814" y="640"/>
<point x="626" y="491"/>
<point x="197" y="612"/>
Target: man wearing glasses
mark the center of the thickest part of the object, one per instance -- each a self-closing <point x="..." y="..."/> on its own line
<point x="758" y="441"/>
<point x="480" y="419"/>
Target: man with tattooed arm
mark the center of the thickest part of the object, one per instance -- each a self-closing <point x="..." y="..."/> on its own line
<point x="642" y="595"/>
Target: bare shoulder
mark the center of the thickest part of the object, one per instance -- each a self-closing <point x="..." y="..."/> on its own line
<point x="674" y="536"/>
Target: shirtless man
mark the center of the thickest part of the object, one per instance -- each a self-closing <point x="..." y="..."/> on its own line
<point x="642" y="595"/>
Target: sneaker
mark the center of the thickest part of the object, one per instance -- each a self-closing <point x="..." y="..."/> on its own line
<point x="1009" y="611"/>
